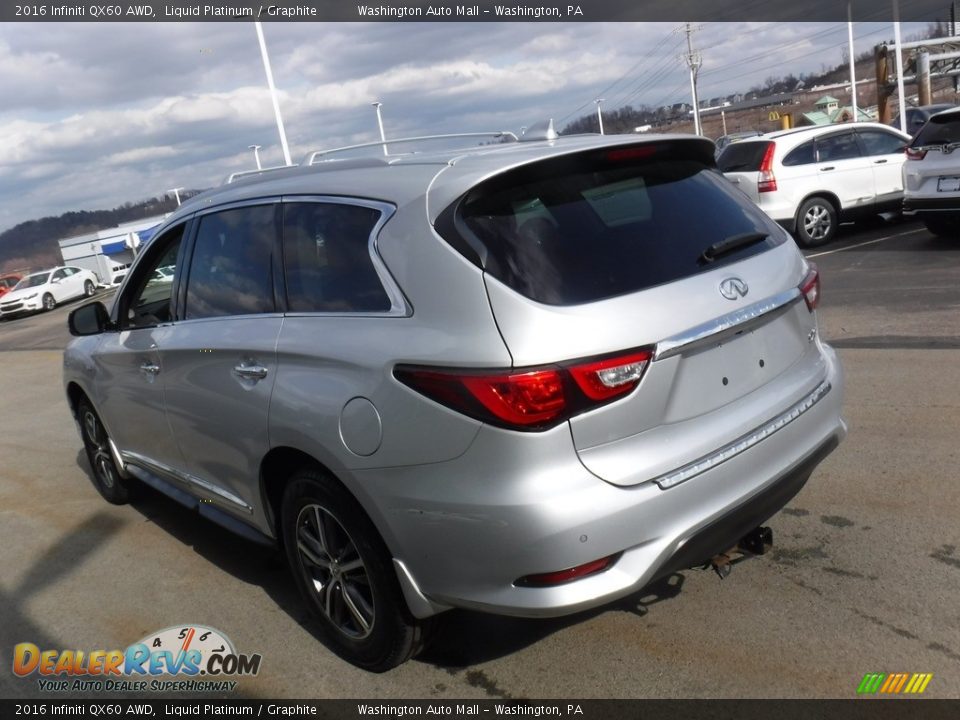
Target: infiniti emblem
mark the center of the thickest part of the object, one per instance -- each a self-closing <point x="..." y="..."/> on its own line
<point x="733" y="287"/>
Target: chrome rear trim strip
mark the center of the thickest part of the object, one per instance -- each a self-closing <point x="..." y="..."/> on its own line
<point x="726" y="326"/>
<point x="742" y="444"/>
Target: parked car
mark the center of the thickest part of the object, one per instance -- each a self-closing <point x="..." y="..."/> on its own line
<point x="45" y="290"/>
<point x="931" y="175"/>
<point x="917" y="116"/>
<point x="724" y="140"/>
<point x="7" y="282"/>
<point x="524" y="378"/>
<point x="118" y="271"/>
<point x="813" y="178"/>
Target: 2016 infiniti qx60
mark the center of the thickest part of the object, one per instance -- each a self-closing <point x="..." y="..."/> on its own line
<point x="526" y="378"/>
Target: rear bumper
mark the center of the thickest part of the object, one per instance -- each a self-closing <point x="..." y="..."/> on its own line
<point x="937" y="204"/>
<point x="516" y="504"/>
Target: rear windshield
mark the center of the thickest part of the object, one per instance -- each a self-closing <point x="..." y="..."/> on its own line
<point x="742" y="156"/>
<point x="940" y="130"/>
<point x="595" y="225"/>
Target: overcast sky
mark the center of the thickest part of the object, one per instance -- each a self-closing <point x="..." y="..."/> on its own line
<point x="94" y="115"/>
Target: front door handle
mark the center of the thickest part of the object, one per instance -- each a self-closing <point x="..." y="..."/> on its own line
<point x="250" y="372"/>
<point x="879" y="162"/>
<point x="150" y="368"/>
<point x="829" y="167"/>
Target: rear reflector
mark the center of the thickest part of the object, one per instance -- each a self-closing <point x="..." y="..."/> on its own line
<point x="766" y="182"/>
<point x="530" y="398"/>
<point x="810" y="288"/>
<point x="561" y="577"/>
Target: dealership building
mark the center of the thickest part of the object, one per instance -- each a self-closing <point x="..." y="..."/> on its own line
<point x="108" y="253"/>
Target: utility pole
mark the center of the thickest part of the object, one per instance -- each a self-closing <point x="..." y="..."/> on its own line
<point x="256" y="155"/>
<point x="853" y="62"/>
<point x="599" y="101"/>
<point x="176" y="194"/>
<point x="383" y="137"/>
<point x="694" y="62"/>
<point x="273" y="93"/>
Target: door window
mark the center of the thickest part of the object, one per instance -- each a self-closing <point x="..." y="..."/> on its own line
<point x="877" y="142"/>
<point x="149" y="301"/>
<point x="327" y="261"/>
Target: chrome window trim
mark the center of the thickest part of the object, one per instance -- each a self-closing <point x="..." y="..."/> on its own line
<point x="726" y="326"/>
<point x="743" y="443"/>
<point x="399" y="307"/>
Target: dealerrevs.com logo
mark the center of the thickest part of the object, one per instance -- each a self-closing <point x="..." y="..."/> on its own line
<point x="197" y="658"/>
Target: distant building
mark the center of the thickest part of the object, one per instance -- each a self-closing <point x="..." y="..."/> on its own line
<point x="830" y="111"/>
<point x="108" y="252"/>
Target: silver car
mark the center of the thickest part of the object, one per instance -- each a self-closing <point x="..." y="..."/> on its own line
<point x="526" y="378"/>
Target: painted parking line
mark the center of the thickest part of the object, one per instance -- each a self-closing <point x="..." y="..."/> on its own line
<point x="868" y="242"/>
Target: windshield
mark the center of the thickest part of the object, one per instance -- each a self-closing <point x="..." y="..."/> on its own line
<point x="32" y="281"/>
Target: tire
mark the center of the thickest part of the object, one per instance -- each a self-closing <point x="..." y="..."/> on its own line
<point x="106" y="476"/>
<point x="89" y="288"/>
<point x="943" y="224"/>
<point x="345" y="574"/>
<point x="816" y="222"/>
<point x="48" y="302"/>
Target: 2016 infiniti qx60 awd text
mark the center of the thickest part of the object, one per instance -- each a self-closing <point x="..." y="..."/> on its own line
<point x="526" y="378"/>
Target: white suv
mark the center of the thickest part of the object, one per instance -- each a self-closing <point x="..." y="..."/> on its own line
<point x="931" y="175"/>
<point x="810" y="179"/>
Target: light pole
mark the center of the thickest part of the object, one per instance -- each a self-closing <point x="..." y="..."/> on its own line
<point x="383" y="137"/>
<point x="273" y="93"/>
<point x="176" y="194"/>
<point x="694" y="60"/>
<point x="256" y="155"/>
<point x="853" y="63"/>
<point x="599" y="101"/>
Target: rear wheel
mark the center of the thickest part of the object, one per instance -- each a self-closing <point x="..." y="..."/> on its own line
<point x="48" y="302"/>
<point x="106" y="476"/>
<point x="345" y="573"/>
<point x="816" y="222"/>
<point x="943" y="224"/>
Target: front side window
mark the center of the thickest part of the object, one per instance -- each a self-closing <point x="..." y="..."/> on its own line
<point x="231" y="271"/>
<point x="59" y="275"/>
<point x="327" y="261"/>
<point x="149" y="300"/>
<point x="877" y="142"/>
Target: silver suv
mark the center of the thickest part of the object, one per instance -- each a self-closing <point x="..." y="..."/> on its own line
<point x="931" y="175"/>
<point x="525" y="378"/>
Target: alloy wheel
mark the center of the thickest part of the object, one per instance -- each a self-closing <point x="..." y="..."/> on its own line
<point x="334" y="569"/>
<point x="99" y="448"/>
<point x="817" y="222"/>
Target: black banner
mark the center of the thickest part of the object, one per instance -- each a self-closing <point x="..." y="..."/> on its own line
<point x="862" y="709"/>
<point x="475" y="11"/>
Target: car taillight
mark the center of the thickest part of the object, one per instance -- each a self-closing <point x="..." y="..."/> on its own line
<point x="810" y="288"/>
<point x="916" y="153"/>
<point x="530" y="398"/>
<point x="766" y="182"/>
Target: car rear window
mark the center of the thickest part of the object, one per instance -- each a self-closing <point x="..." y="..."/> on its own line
<point x="585" y="227"/>
<point x="742" y="156"/>
<point x="939" y="131"/>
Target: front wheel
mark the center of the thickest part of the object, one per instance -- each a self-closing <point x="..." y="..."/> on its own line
<point x="48" y="302"/>
<point x="89" y="288"/>
<point x="816" y="222"/>
<point x="106" y="476"/>
<point x="345" y="573"/>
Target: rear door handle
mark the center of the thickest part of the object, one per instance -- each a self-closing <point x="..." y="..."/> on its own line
<point x="879" y="162"/>
<point x="250" y="372"/>
<point x="829" y="167"/>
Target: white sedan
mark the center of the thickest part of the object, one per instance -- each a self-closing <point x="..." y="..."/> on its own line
<point x="45" y="290"/>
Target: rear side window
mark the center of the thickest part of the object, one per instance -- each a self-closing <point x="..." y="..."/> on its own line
<point x="800" y="155"/>
<point x="742" y="156"/>
<point x="327" y="261"/>
<point x="940" y="131"/>
<point x="231" y="272"/>
<point x="581" y="228"/>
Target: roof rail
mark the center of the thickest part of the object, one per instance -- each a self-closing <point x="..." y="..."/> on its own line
<point x="247" y="173"/>
<point x="321" y="155"/>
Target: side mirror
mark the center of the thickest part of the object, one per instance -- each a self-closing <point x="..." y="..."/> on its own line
<point x="91" y="319"/>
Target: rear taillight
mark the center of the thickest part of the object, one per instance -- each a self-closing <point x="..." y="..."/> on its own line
<point x="530" y="398"/>
<point x="766" y="182"/>
<point x="916" y="153"/>
<point x="810" y="288"/>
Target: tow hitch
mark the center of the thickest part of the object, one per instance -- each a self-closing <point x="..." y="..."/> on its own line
<point x="756" y="542"/>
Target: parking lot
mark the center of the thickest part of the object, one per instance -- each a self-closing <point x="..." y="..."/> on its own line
<point x="864" y="575"/>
